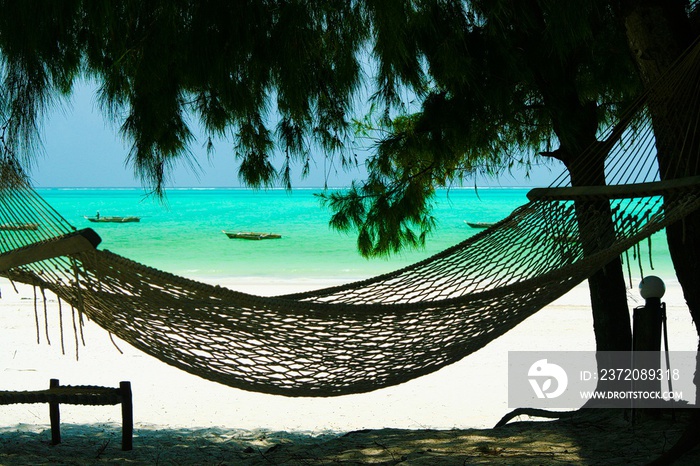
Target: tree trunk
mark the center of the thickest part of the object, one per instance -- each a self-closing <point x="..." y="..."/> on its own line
<point x="611" y="321"/>
<point x="576" y="128"/>
<point x="658" y="31"/>
<point x="611" y="318"/>
<point x="575" y="121"/>
<point x="576" y="125"/>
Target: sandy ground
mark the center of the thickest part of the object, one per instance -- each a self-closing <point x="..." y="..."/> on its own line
<point x="442" y="418"/>
<point x="591" y="438"/>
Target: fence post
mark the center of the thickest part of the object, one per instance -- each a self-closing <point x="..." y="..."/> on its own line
<point x="55" y="416"/>
<point x="127" y="416"/>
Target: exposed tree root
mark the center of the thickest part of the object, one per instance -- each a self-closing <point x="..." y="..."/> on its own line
<point x="688" y="441"/>
<point x="534" y="412"/>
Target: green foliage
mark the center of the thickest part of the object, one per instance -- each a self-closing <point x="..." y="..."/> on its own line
<point x="384" y="216"/>
<point x="391" y="209"/>
<point x="508" y="80"/>
<point x="496" y="82"/>
<point x="38" y="63"/>
<point x="274" y="76"/>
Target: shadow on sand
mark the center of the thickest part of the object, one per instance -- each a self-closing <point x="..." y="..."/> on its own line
<point x="596" y="437"/>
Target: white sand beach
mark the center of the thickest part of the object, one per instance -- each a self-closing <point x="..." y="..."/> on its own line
<point x="179" y="417"/>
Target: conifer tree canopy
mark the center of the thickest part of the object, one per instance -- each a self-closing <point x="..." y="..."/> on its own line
<point x="457" y="88"/>
<point x="272" y="76"/>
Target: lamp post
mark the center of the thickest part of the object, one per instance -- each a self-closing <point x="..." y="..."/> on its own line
<point x="646" y="332"/>
<point x="647" y="319"/>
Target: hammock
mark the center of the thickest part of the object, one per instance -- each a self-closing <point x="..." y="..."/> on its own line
<point x="378" y="332"/>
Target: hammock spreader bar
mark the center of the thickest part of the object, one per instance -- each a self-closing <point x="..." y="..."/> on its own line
<point x="66" y="245"/>
<point x="625" y="191"/>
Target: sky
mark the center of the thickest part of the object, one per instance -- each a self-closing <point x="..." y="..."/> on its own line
<point x="82" y="149"/>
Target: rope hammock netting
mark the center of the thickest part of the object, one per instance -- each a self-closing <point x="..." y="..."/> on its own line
<point x="389" y="329"/>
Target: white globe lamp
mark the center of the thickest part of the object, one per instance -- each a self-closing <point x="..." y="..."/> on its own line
<point x="652" y="287"/>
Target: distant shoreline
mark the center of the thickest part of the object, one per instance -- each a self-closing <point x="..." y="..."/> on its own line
<point x="294" y="188"/>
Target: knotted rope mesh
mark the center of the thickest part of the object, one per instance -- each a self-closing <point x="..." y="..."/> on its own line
<point x="392" y="328"/>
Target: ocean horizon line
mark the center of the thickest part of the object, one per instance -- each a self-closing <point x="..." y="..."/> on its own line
<point x="243" y="188"/>
<point x="185" y="235"/>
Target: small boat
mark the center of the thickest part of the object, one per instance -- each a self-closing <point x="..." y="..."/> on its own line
<point x="101" y="219"/>
<point x="251" y="235"/>
<point x="480" y="224"/>
<point x="19" y="227"/>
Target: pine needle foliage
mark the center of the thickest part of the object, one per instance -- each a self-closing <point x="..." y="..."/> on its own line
<point x="457" y="88"/>
<point x="273" y="76"/>
<point x="500" y="82"/>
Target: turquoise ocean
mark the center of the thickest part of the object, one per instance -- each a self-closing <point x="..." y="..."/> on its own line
<point x="184" y="233"/>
